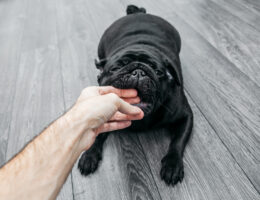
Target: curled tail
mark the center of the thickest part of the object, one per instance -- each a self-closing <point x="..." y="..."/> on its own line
<point x="132" y="9"/>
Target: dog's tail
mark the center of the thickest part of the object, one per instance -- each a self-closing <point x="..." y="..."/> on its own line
<point x="132" y="9"/>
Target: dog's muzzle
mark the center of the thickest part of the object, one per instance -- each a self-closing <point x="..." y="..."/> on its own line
<point x="140" y="77"/>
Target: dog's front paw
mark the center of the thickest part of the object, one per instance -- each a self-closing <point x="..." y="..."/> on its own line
<point x="88" y="163"/>
<point x="172" y="170"/>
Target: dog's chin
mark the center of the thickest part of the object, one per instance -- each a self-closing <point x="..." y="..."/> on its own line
<point x="146" y="101"/>
<point x="146" y="107"/>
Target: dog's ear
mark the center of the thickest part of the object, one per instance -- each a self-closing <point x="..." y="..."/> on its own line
<point x="100" y="64"/>
<point x="173" y="70"/>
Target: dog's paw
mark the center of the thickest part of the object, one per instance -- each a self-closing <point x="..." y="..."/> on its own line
<point x="88" y="163"/>
<point x="172" y="170"/>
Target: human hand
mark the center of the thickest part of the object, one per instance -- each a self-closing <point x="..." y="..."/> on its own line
<point x="51" y="155"/>
<point x="103" y="109"/>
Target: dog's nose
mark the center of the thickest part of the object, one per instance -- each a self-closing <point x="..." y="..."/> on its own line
<point x="138" y="72"/>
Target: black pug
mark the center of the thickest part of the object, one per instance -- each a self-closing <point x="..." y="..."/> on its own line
<point x="141" y="51"/>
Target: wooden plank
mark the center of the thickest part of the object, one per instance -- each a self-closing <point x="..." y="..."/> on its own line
<point x="198" y="57"/>
<point x="74" y="60"/>
<point x="230" y="35"/>
<point x="38" y="99"/>
<point x="12" y="17"/>
<point x="78" y="44"/>
<point x="251" y="3"/>
<point x="123" y="172"/>
<point x="242" y="10"/>
<point x="228" y="99"/>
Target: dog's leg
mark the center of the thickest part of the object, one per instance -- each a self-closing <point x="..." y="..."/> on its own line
<point x="89" y="160"/>
<point x="172" y="170"/>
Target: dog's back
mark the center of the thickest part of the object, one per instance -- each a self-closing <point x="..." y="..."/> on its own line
<point x="138" y="27"/>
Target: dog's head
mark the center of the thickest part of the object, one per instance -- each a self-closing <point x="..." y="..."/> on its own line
<point x="149" y="72"/>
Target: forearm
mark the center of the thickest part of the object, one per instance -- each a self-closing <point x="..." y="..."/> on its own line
<point x="40" y="169"/>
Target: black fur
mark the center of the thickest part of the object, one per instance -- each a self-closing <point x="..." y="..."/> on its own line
<point x="141" y="51"/>
<point x="132" y="9"/>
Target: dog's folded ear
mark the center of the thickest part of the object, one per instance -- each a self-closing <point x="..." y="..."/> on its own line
<point x="100" y="64"/>
<point x="174" y="70"/>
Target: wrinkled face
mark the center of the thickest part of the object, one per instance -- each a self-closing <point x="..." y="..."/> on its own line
<point x="141" y="70"/>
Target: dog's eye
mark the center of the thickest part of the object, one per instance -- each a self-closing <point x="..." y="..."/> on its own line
<point x="114" y="69"/>
<point x="120" y="63"/>
<point x="150" y="65"/>
<point x="159" y="72"/>
<point x="124" y="62"/>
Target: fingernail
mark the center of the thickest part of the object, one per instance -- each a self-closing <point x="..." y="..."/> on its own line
<point x="136" y="91"/>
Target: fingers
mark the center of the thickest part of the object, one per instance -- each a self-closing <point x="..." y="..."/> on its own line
<point x="122" y="106"/>
<point x="112" y="126"/>
<point x="132" y="100"/>
<point x="127" y="93"/>
<point x="123" y="117"/>
<point x="100" y="90"/>
<point x="128" y="109"/>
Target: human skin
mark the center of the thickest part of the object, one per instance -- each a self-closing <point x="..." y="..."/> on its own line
<point x="41" y="168"/>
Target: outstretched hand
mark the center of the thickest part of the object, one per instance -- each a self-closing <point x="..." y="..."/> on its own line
<point x="103" y="109"/>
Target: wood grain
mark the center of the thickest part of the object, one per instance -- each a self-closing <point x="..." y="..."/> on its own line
<point x="38" y="98"/>
<point x="228" y="99"/>
<point x="251" y="3"/>
<point x="242" y="10"/>
<point x="12" y="17"/>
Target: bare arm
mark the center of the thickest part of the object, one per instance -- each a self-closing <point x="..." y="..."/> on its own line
<point x="41" y="168"/>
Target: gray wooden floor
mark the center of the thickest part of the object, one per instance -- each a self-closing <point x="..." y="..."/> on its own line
<point x="47" y="51"/>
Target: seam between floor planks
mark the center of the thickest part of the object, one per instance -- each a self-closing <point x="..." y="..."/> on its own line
<point x="62" y="86"/>
<point x="220" y="139"/>
<point x="231" y="153"/>
<point x="235" y="68"/>
<point x="15" y="87"/>
<point x="218" y="133"/>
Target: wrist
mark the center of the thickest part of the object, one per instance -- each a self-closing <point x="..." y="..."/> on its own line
<point x="77" y="118"/>
<point x="79" y="130"/>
